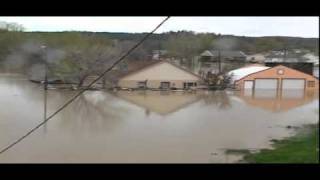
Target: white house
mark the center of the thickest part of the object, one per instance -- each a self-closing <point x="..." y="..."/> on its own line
<point x="315" y="60"/>
<point x="160" y="75"/>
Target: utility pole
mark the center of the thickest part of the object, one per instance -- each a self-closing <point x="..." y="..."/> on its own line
<point x="159" y="47"/>
<point x="285" y="54"/>
<point x="45" y="85"/>
<point x="219" y="60"/>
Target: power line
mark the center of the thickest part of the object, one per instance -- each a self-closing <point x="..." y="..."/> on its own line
<point x="85" y="89"/>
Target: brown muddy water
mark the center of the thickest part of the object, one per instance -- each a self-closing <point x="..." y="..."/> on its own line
<point x="146" y="126"/>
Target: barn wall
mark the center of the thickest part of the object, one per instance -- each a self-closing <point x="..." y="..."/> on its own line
<point x="272" y="73"/>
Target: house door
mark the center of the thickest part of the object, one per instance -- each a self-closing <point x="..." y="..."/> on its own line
<point x="165" y="85"/>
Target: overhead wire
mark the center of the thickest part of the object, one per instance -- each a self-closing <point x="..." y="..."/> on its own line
<point x="85" y="89"/>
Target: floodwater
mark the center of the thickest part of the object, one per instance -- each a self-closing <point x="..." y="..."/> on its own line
<point x="146" y="126"/>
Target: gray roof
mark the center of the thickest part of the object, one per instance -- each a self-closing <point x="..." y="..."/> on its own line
<point x="290" y="57"/>
<point x="160" y="51"/>
<point x="223" y="53"/>
<point x="286" y="60"/>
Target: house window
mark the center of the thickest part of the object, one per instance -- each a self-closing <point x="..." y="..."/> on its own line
<point x="165" y="85"/>
<point x="311" y="83"/>
<point x="142" y="84"/>
<point x="206" y="64"/>
<point x="187" y="85"/>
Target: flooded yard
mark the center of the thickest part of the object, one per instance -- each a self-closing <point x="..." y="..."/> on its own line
<point x="146" y="126"/>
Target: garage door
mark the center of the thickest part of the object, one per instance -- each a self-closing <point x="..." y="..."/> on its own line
<point x="293" y="84"/>
<point x="266" y="84"/>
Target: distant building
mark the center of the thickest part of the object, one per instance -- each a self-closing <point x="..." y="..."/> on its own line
<point x="210" y="60"/>
<point x="282" y="56"/>
<point x="289" y="59"/>
<point x="312" y="58"/>
<point x="256" y="58"/>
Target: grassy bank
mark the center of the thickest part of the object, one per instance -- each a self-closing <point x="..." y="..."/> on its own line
<point x="301" y="148"/>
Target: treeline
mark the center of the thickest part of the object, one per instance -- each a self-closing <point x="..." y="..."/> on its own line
<point x="181" y="44"/>
<point x="76" y="55"/>
<point x="202" y="41"/>
<point x="175" y="42"/>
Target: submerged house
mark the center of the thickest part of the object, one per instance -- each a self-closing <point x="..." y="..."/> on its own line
<point x="160" y="75"/>
<point x="278" y="78"/>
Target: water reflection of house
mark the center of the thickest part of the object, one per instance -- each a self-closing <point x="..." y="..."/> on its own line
<point x="217" y="98"/>
<point x="161" y="102"/>
<point x="277" y="101"/>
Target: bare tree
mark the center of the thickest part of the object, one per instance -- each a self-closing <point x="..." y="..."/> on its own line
<point x="90" y="59"/>
<point x="5" y="26"/>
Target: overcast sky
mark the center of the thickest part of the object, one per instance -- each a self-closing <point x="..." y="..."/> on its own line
<point x="243" y="26"/>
